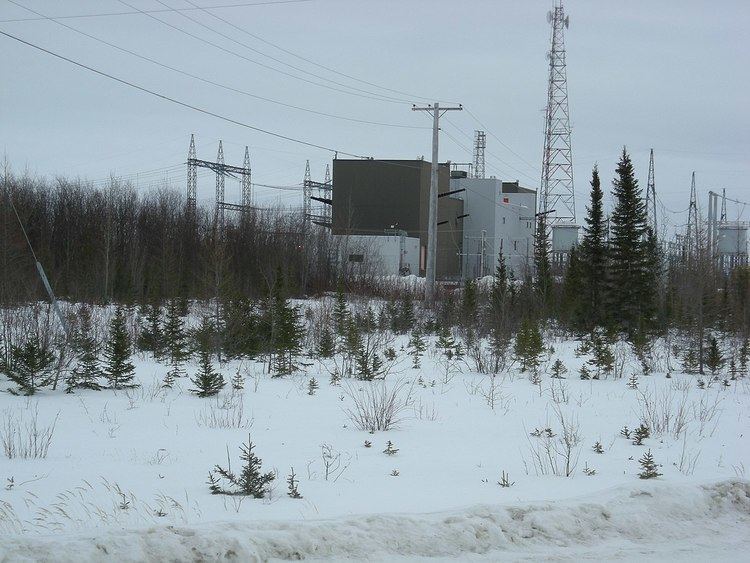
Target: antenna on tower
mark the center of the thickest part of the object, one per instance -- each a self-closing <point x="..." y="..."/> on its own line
<point x="307" y="192"/>
<point x="651" y="195"/>
<point x="557" y="194"/>
<point x="247" y="184"/>
<point x="480" y="143"/>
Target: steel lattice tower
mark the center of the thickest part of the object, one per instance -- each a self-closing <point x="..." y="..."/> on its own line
<point x="480" y="143"/>
<point x="307" y="192"/>
<point x="246" y="180"/>
<point x="220" y="189"/>
<point x="693" y="234"/>
<point x="329" y="194"/>
<point x="557" y="161"/>
<point x="192" y="177"/>
<point x="651" y="195"/>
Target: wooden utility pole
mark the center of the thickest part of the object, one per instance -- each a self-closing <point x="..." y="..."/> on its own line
<point x="429" y="286"/>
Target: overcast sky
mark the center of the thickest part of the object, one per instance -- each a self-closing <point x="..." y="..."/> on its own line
<point x="672" y="75"/>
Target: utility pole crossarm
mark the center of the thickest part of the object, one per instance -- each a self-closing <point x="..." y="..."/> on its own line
<point x="429" y="287"/>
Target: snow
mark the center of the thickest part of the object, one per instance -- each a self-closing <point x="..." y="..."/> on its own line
<point x="150" y="450"/>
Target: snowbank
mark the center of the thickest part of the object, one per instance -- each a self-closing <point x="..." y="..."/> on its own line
<point x="664" y="521"/>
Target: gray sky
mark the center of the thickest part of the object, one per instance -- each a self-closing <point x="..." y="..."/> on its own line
<point x="672" y="75"/>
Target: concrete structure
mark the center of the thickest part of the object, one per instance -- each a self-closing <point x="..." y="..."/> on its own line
<point x="499" y="216"/>
<point x="386" y="255"/>
<point x="378" y="197"/>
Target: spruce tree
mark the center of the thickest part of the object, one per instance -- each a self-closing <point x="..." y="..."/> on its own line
<point x="542" y="268"/>
<point x="416" y="347"/>
<point x="649" y="469"/>
<point x="88" y="372"/>
<point x="340" y="310"/>
<point x="469" y="302"/>
<point x="529" y="345"/>
<point x="631" y="289"/>
<point x="207" y="382"/>
<point x="250" y="482"/>
<point x="30" y="366"/>
<point x="326" y="344"/>
<point x="714" y="357"/>
<point x="175" y="339"/>
<point x="558" y="369"/>
<point x="593" y="259"/>
<point x="151" y="338"/>
<point x="286" y="329"/>
<point x="118" y="370"/>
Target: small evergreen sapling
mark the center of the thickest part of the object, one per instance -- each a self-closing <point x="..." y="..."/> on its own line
<point x="292" y="483"/>
<point x="207" y="381"/>
<point x="417" y="347"/>
<point x="584" y="372"/>
<point x="558" y="370"/>
<point x="118" y="370"/>
<point x="649" y="469"/>
<point x="640" y="434"/>
<point x="598" y="448"/>
<point x="87" y="373"/>
<point x="175" y="339"/>
<point x="326" y="344"/>
<point x="633" y="381"/>
<point x="30" y="366"/>
<point x="714" y="357"/>
<point x="250" y="482"/>
<point x="312" y="386"/>
<point x="389" y="449"/>
<point x="151" y="338"/>
<point x="238" y="381"/>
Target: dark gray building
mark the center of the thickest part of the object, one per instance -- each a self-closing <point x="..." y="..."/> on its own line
<point x="374" y="197"/>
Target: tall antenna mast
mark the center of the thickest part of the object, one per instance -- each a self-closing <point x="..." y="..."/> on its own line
<point x="480" y="143"/>
<point x="651" y="195"/>
<point x="723" y="218"/>
<point x="558" y="196"/>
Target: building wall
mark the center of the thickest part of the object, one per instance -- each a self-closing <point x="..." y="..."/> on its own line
<point x="505" y="211"/>
<point x="379" y="255"/>
<point x="372" y="197"/>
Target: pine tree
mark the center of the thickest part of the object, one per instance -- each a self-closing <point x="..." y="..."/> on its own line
<point x="88" y="372"/>
<point x="30" y="366"/>
<point x="119" y="370"/>
<point x="571" y="291"/>
<point x="593" y="258"/>
<point x="714" y="357"/>
<point x="250" y="482"/>
<point x="326" y="344"/>
<point x="649" y="469"/>
<point x="744" y="356"/>
<point x="543" y="270"/>
<point x="238" y="381"/>
<point x="404" y="319"/>
<point x="151" y="338"/>
<point x="631" y="288"/>
<point x="602" y="357"/>
<point x="312" y="386"/>
<point x="286" y="329"/>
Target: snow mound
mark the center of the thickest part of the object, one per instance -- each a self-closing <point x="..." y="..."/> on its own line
<point x="669" y="522"/>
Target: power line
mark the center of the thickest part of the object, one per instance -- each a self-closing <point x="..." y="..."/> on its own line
<point x="207" y="10"/>
<point x="211" y="82"/>
<point x="108" y="14"/>
<point x="378" y="97"/>
<point x="178" y="102"/>
<point x="529" y="164"/>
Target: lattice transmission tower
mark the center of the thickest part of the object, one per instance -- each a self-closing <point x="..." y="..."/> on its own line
<point x="247" y="185"/>
<point x="192" y="177"/>
<point x="651" y="196"/>
<point x="480" y="143"/>
<point x="307" y="193"/>
<point x="557" y="192"/>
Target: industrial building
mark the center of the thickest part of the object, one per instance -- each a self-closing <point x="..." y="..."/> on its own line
<point x="499" y="217"/>
<point x="390" y="197"/>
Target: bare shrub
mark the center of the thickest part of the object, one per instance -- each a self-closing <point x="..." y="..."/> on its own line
<point x="225" y="412"/>
<point x="665" y="412"/>
<point x="706" y="412"/>
<point x="26" y="438"/>
<point x="377" y="406"/>
<point x="556" y="454"/>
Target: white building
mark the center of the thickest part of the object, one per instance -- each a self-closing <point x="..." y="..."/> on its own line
<point x="498" y="216"/>
<point x="385" y="255"/>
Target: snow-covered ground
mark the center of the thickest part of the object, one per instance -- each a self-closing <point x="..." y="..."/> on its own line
<point x="125" y="475"/>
